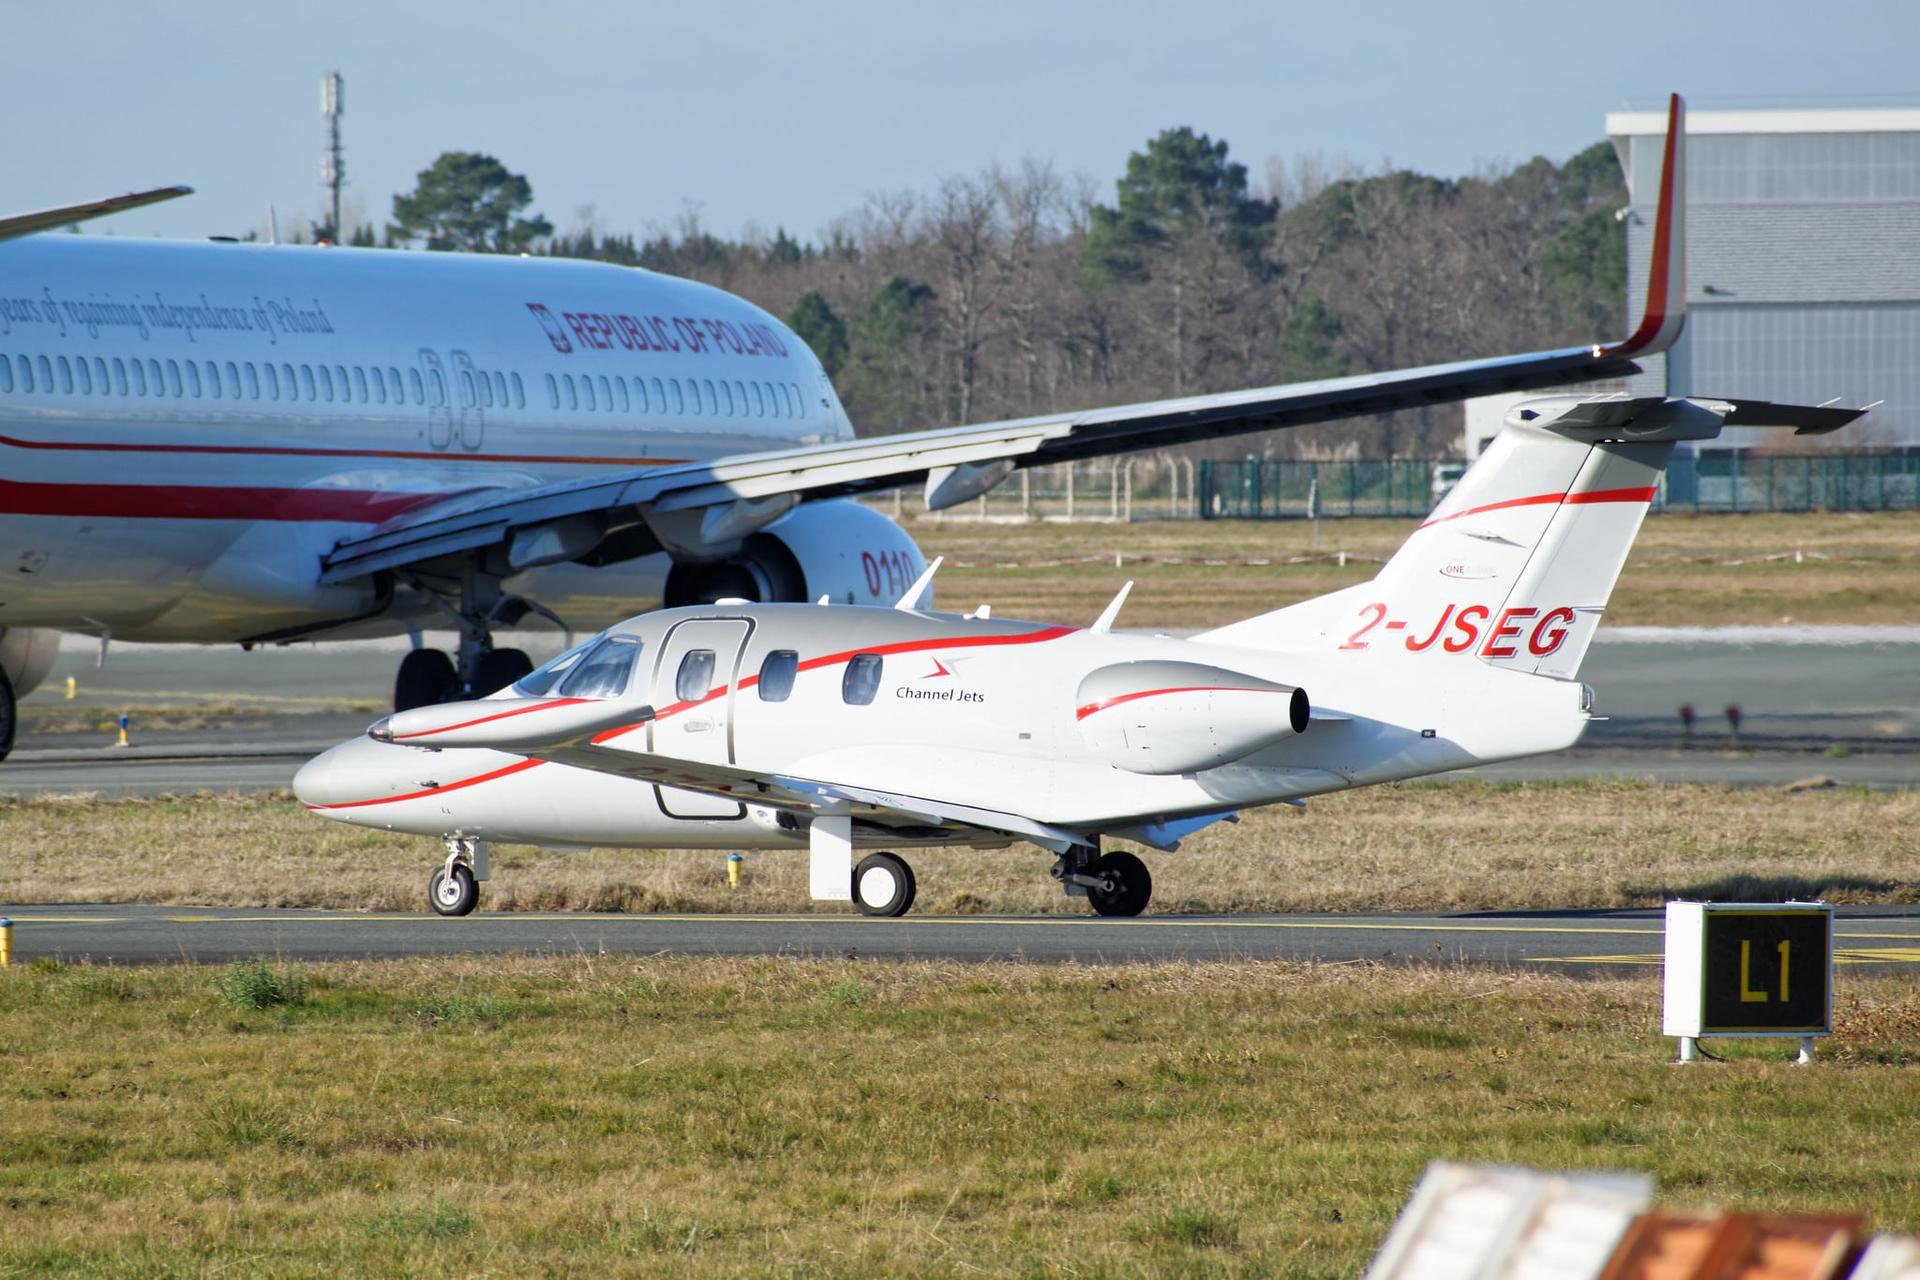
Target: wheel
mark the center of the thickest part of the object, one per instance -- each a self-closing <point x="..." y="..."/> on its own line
<point x="498" y="669"/>
<point x="1132" y="885"/>
<point x="883" y="885"/>
<point x="8" y="715"/>
<point x="424" y="679"/>
<point x="456" y="894"/>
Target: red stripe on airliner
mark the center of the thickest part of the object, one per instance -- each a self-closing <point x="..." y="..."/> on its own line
<point x="748" y="682"/>
<point x="518" y="767"/>
<point x="208" y="502"/>
<point x="498" y="715"/>
<point x="273" y="451"/>
<point x="1083" y="712"/>
<point x="1543" y="499"/>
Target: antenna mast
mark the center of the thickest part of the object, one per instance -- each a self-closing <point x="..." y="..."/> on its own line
<point x="333" y="165"/>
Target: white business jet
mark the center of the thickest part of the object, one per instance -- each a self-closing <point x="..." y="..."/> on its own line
<point x="240" y="443"/>
<point x="836" y="729"/>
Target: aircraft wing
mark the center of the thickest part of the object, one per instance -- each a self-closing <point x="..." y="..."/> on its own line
<point x="780" y="791"/>
<point x="705" y="508"/>
<point x="25" y="224"/>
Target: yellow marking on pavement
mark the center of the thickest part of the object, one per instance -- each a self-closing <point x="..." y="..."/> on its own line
<point x="70" y="919"/>
<point x="1878" y="955"/>
<point x="1644" y="958"/>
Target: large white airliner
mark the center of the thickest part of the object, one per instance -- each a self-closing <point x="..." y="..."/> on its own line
<point x="239" y="443"/>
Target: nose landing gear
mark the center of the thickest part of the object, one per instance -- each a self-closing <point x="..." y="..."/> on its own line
<point x="454" y="889"/>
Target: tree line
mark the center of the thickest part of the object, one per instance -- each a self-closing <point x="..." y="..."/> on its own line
<point x="1018" y="290"/>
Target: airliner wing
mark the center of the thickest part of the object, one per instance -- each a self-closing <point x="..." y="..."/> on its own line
<point x="25" y="224"/>
<point x="707" y="507"/>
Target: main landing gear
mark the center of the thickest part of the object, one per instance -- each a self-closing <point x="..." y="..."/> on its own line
<point x="429" y="676"/>
<point x="883" y="885"/>
<point x="454" y="889"/>
<point x="1115" y="884"/>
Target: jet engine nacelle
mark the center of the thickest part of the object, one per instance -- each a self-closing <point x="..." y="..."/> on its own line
<point x="838" y="548"/>
<point x="1178" y="717"/>
<point x="26" y="655"/>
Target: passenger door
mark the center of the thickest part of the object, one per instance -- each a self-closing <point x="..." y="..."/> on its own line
<point x="473" y="422"/>
<point x="698" y="656"/>
<point x="439" y="415"/>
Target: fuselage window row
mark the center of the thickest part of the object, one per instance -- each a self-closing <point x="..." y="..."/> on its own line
<point x="363" y="384"/>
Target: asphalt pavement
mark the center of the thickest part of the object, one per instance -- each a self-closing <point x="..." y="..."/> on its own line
<point x="1582" y="943"/>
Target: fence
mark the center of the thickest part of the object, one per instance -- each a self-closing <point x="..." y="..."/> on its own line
<point x="1719" y="480"/>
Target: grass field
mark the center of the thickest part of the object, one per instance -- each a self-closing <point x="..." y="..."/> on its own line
<point x="1463" y="845"/>
<point x="1684" y="570"/>
<point x="586" y="1116"/>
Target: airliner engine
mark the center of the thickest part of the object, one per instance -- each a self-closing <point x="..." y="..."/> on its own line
<point x="840" y="549"/>
<point x="1176" y="717"/>
<point x="26" y="655"/>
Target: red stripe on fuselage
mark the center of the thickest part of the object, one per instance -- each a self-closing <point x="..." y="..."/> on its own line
<point x="209" y="502"/>
<point x="498" y="715"/>
<point x="520" y="766"/>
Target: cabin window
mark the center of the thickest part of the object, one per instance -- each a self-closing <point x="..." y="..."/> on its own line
<point x="519" y="393"/>
<point x="233" y="381"/>
<point x="726" y="398"/>
<point x="415" y="391"/>
<point x="640" y="396"/>
<point x="307" y="391"/>
<point x="360" y="384"/>
<point x="273" y="380"/>
<point x="659" y="397"/>
<point x="137" y="377"/>
<point x="603" y="672"/>
<point x="46" y="375"/>
<point x="776" y="675"/>
<point x="213" y="380"/>
<point x="161" y="386"/>
<point x="695" y="680"/>
<point x="679" y="403"/>
<point x="253" y="381"/>
<point x="326" y="384"/>
<point x="81" y="376"/>
<point x="26" y="372"/>
<point x="293" y="384"/>
<point x="66" y="377"/>
<point x="100" y="381"/>
<point x="119" y="374"/>
<point x="862" y="680"/>
<point x="193" y="379"/>
<point x="620" y="392"/>
<point x="573" y="392"/>
<point x="486" y="389"/>
<point x="606" y="394"/>
<point x="553" y="392"/>
<point x="6" y="375"/>
<point x="340" y="379"/>
<point x="379" y="385"/>
<point x="586" y="390"/>
<point x="740" y="398"/>
<point x="759" y="399"/>
<point x="468" y="396"/>
<point x="713" y="399"/>
<point x="500" y="389"/>
<point x="396" y="390"/>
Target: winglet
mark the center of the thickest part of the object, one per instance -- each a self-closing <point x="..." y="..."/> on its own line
<point x="23" y="224"/>
<point x="911" y="601"/>
<point x="1666" y="305"/>
<point x="1105" y="621"/>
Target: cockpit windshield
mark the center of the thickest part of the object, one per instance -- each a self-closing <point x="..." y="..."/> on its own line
<point x="540" y="681"/>
<point x="603" y="670"/>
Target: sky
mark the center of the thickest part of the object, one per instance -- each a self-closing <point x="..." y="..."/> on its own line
<point x="760" y="115"/>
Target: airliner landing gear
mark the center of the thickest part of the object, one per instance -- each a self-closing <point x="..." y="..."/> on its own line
<point x="425" y="677"/>
<point x="454" y="889"/>
<point x="1116" y="884"/>
<point x="8" y="715"/>
<point x="883" y="885"/>
<point x="428" y="676"/>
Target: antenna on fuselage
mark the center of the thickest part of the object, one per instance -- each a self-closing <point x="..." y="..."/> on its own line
<point x="1105" y="621"/>
<point x="909" y="602"/>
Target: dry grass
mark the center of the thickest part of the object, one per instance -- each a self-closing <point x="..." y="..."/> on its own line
<point x="1463" y="845"/>
<point x="777" y="1117"/>
<point x="1685" y="570"/>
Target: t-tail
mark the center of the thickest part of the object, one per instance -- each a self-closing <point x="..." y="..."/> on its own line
<point x="1515" y="566"/>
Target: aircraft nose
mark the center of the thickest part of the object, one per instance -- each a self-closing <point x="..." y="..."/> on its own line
<point x="356" y="770"/>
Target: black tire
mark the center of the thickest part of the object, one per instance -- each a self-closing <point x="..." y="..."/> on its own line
<point x="498" y="669"/>
<point x="1132" y="885"/>
<point x="9" y="715"/>
<point x="457" y="896"/>
<point x="425" y="679"/>
<point x="883" y="885"/>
